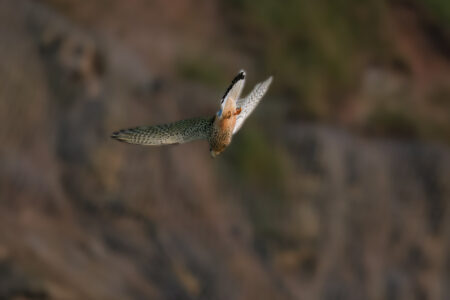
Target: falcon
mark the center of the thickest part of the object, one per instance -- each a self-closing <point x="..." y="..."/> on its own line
<point x="218" y="130"/>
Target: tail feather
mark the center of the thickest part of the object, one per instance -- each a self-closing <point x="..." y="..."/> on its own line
<point x="124" y="135"/>
<point x="173" y="133"/>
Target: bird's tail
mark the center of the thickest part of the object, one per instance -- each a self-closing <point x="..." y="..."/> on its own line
<point x="165" y="134"/>
<point x="131" y="136"/>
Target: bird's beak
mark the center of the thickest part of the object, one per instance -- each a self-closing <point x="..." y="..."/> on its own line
<point x="213" y="154"/>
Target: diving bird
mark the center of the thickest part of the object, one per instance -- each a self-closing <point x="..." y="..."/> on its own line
<point x="218" y="130"/>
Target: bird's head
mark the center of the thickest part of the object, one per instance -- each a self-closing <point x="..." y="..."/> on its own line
<point x="213" y="153"/>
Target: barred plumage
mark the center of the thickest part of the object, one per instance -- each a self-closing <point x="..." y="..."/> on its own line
<point x="173" y="133"/>
<point x="249" y="103"/>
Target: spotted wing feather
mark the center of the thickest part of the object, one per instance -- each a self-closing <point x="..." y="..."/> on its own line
<point x="173" y="133"/>
<point x="249" y="103"/>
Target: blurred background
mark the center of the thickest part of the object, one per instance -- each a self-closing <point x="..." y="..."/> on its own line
<point x="337" y="187"/>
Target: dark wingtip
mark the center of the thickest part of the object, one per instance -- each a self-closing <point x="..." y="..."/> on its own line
<point x="239" y="76"/>
<point x="121" y="135"/>
<point x="115" y="135"/>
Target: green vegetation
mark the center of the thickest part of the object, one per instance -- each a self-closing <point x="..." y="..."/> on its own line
<point x="322" y="51"/>
<point x="201" y="69"/>
<point x="318" y="45"/>
<point x="261" y="165"/>
<point x="257" y="160"/>
<point x="440" y="9"/>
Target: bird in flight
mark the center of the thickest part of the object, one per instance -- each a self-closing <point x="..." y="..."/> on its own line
<point x="218" y="130"/>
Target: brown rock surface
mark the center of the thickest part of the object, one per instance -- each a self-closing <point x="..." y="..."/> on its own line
<point x="317" y="214"/>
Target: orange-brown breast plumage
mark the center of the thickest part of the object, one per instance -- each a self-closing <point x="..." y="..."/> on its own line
<point x="223" y="128"/>
<point x="228" y="119"/>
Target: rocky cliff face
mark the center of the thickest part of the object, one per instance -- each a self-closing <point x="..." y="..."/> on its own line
<point x="316" y="213"/>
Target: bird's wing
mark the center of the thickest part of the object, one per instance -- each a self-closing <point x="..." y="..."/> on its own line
<point x="249" y="103"/>
<point x="233" y="91"/>
<point x="173" y="133"/>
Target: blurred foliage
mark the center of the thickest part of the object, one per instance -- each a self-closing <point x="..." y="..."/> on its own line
<point x="319" y="45"/>
<point x="255" y="160"/>
<point x="202" y="69"/>
<point x="440" y="9"/>
<point x="321" y="51"/>
<point x="262" y="166"/>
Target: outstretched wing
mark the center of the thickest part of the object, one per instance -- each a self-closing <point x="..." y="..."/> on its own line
<point x="173" y="133"/>
<point x="249" y="103"/>
<point x="233" y="91"/>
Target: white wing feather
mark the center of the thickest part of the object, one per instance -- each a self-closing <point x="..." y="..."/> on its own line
<point x="249" y="103"/>
<point x="233" y="92"/>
